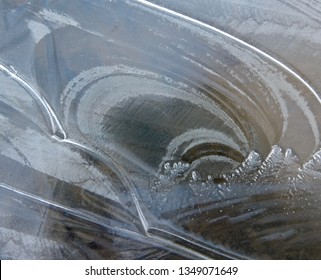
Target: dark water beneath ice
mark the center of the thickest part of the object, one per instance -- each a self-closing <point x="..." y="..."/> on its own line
<point x="132" y="131"/>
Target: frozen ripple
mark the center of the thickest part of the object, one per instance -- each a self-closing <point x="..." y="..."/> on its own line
<point x="129" y="130"/>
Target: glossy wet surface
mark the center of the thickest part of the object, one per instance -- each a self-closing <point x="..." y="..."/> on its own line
<point x="137" y="130"/>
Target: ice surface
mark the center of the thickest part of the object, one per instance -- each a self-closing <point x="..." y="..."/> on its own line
<point x="130" y="130"/>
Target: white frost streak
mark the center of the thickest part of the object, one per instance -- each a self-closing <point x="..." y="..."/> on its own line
<point x="58" y="18"/>
<point x="153" y="85"/>
<point x="198" y="136"/>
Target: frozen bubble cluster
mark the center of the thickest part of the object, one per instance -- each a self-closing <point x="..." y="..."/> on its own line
<point x="130" y="131"/>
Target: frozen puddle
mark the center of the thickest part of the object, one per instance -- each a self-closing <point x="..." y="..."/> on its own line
<point x="132" y="131"/>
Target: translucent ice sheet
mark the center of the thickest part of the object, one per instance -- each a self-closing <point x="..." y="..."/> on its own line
<point x="129" y="130"/>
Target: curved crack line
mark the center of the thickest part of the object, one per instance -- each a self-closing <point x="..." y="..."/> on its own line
<point x="154" y="240"/>
<point x="108" y="161"/>
<point x="56" y="127"/>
